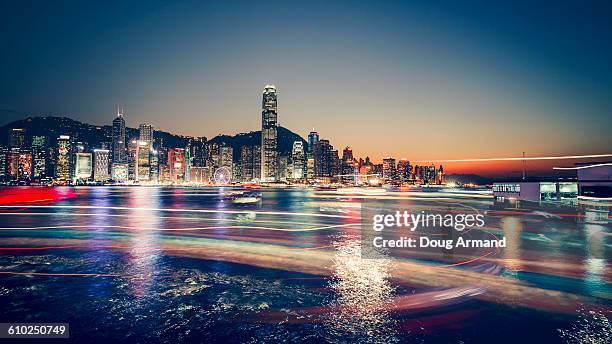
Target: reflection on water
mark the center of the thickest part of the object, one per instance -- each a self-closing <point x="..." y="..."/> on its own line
<point x="595" y="259"/>
<point x="144" y="248"/>
<point x="512" y="228"/>
<point x="592" y="327"/>
<point x="363" y="291"/>
<point x="165" y="264"/>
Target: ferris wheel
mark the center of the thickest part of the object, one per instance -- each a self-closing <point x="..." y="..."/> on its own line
<point x="222" y="176"/>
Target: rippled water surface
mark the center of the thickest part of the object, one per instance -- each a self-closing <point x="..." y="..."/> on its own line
<point x="150" y="265"/>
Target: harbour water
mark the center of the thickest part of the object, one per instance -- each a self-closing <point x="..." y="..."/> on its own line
<point x="159" y="265"/>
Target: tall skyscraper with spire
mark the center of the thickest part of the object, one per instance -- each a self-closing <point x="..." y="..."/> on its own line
<point x="313" y="138"/>
<point x="269" y="135"/>
<point x="118" y="143"/>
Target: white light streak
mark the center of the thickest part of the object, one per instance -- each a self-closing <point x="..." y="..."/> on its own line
<point x="208" y="211"/>
<point x="581" y="167"/>
<point x="521" y="158"/>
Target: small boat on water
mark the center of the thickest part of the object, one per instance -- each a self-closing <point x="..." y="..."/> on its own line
<point x="246" y="197"/>
<point x="325" y="188"/>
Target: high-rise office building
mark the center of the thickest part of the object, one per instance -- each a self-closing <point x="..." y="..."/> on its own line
<point x="118" y="139"/>
<point x="430" y="174"/>
<point x="40" y="156"/>
<point x="19" y="163"/>
<point x="63" y="159"/>
<point x="3" y="163"/>
<point x="418" y="174"/>
<point x="310" y="169"/>
<point x="283" y="163"/>
<point x="269" y="135"/>
<point x="377" y="169"/>
<point x="250" y="163"/>
<point x="188" y="160"/>
<point x="403" y="170"/>
<point x="101" y="165"/>
<point x="83" y="166"/>
<point x="154" y="170"/>
<point x="313" y="138"/>
<point x="198" y="151"/>
<point x="146" y="133"/>
<point x="347" y="156"/>
<point x="388" y="169"/>
<point x="162" y="160"/>
<point x="119" y="172"/>
<point x="17" y="138"/>
<point x="132" y="157"/>
<point x="176" y="165"/>
<point x="347" y="169"/>
<point x="335" y="164"/>
<point x="226" y="154"/>
<point x="143" y="169"/>
<point x="213" y="151"/>
<point x="298" y="161"/>
<point x="323" y="160"/>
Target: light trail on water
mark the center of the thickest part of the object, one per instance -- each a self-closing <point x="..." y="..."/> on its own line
<point x="57" y="274"/>
<point x="160" y="217"/>
<point x="186" y="228"/>
<point x="208" y="211"/>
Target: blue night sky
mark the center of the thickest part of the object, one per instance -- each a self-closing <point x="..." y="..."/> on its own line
<point x="431" y="79"/>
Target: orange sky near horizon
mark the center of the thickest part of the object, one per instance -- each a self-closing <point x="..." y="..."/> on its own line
<point x="514" y="169"/>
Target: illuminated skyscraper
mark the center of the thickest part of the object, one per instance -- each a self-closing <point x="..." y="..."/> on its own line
<point x="250" y="163"/>
<point x="63" y="159"/>
<point x="154" y="171"/>
<point x="226" y="154"/>
<point x="323" y="159"/>
<point x="403" y="170"/>
<point x="101" y="165"/>
<point x="213" y="151"/>
<point x="119" y="172"/>
<point x="298" y="161"/>
<point x="269" y="135"/>
<point x="19" y="164"/>
<point x="198" y="151"/>
<point x="388" y="169"/>
<point x="310" y="169"/>
<point x="132" y="157"/>
<point x="143" y="161"/>
<point x="430" y="174"/>
<point x="283" y="163"/>
<point x="335" y="164"/>
<point x="3" y="163"/>
<point x="83" y="166"/>
<point x="146" y="133"/>
<point x="119" y="144"/>
<point x="176" y="165"/>
<point x="313" y="138"/>
<point x="347" y="166"/>
<point x="40" y="156"/>
<point x="418" y="174"/>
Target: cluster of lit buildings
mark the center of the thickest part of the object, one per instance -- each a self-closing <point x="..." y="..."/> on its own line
<point x="146" y="159"/>
<point x="317" y="162"/>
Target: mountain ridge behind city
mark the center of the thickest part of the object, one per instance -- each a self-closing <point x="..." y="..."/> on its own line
<point x="53" y="126"/>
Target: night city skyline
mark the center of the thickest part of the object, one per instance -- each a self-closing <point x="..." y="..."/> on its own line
<point x="338" y="171"/>
<point x="419" y="81"/>
<point x="472" y="168"/>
